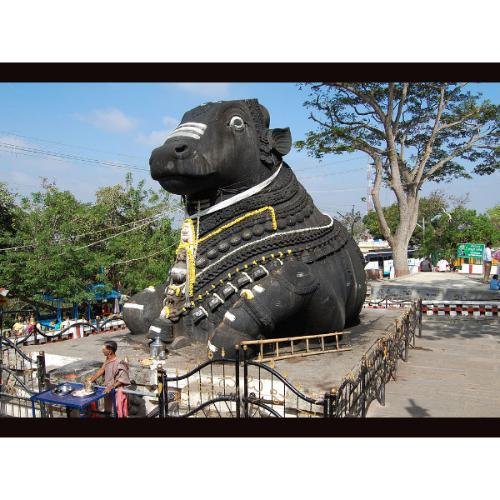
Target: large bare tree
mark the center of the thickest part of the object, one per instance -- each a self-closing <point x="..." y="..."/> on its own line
<point x="413" y="133"/>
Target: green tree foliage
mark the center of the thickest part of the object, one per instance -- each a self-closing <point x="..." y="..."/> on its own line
<point x="494" y="216"/>
<point x="466" y="226"/>
<point x="7" y="213"/>
<point x="413" y="132"/>
<point x="430" y="207"/>
<point x="124" y="240"/>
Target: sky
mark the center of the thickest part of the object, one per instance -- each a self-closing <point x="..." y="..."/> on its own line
<point x="118" y="125"/>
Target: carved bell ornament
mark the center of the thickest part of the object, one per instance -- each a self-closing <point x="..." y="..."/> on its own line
<point x="178" y="273"/>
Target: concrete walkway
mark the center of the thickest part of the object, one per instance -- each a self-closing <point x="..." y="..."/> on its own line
<point x="434" y="286"/>
<point x="453" y="372"/>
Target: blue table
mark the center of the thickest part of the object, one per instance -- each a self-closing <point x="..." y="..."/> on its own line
<point x="72" y="402"/>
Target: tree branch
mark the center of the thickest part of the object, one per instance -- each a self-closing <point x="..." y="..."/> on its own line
<point x="375" y="192"/>
<point x="457" y="152"/>
<point x="457" y="122"/>
<point x="419" y="170"/>
<point x="404" y="93"/>
<point x="359" y="124"/>
<point x="365" y="97"/>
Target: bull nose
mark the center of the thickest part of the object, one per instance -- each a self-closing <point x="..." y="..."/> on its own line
<point x="181" y="150"/>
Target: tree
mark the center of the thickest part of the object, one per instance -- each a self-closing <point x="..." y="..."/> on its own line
<point x="430" y="207"/>
<point x="353" y="221"/>
<point x="124" y="240"/>
<point x="466" y="226"/>
<point x="413" y="132"/>
<point x="494" y="216"/>
<point x="139" y="257"/>
<point x="7" y="209"/>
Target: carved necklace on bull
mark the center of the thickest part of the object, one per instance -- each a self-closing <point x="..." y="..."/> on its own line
<point x="183" y="273"/>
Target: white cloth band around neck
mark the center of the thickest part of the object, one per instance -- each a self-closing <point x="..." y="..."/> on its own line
<point x="237" y="197"/>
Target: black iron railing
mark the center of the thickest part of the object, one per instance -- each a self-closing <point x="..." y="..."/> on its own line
<point x="261" y="391"/>
<point x="240" y="387"/>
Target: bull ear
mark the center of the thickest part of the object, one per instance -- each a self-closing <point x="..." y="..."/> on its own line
<point x="280" y="139"/>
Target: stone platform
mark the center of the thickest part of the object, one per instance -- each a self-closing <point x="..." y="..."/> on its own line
<point x="74" y="359"/>
<point x="434" y="286"/>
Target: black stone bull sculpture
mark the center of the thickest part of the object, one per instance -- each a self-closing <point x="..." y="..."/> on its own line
<point x="256" y="258"/>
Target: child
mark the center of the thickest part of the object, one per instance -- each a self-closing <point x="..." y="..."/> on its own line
<point x="494" y="283"/>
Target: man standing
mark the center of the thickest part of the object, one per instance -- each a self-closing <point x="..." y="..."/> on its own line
<point x="487" y="262"/>
<point x="116" y="377"/>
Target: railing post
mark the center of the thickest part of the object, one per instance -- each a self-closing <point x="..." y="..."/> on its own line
<point x="161" y="394"/>
<point x="363" y="387"/>
<point x="41" y="375"/>
<point x="326" y="405"/>
<point x="405" y="327"/>
<point x="420" y="317"/>
<point x="332" y="402"/>
<point x="41" y="371"/>
<point x="245" y="382"/>
<point x="237" y="381"/>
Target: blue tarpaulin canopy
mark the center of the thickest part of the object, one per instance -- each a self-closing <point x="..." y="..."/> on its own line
<point x="100" y="292"/>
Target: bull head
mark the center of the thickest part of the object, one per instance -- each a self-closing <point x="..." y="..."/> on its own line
<point x="219" y="146"/>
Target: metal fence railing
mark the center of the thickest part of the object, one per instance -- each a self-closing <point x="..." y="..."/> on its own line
<point x="233" y="388"/>
<point x="246" y="388"/>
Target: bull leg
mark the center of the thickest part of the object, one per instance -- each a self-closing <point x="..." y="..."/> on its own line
<point x="280" y="295"/>
<point x="142" y="308"/>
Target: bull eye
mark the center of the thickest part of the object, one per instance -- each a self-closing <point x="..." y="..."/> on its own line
<point x="237" y="123"/>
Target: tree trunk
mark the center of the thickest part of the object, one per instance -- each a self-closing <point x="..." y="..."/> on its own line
<point x="400" y="255"/>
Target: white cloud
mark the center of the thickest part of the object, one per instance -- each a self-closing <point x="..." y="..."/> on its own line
<point x="157" y="137"/>
<point x="110" y="119"/>
<point x="206" y="89"/>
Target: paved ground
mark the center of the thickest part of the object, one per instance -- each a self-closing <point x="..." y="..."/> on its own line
<point x="440" y="286"/>
<point x="453" y="372"/>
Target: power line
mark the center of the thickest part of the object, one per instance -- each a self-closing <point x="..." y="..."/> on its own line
<point x="70" y="238"/>
<point x="331" y="163"/>
<point x="340" y="189"/>
<point x="108" y="238"/>
<point x="142" y="258"/>
<point x="38" y="139"/>
<point x="331" y="173"/>
<point x="13" y="148"/>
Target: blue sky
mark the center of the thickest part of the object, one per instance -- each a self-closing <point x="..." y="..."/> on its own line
<point x="121" y="123"/>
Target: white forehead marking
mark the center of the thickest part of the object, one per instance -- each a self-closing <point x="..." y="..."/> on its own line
<point x="179" y="133"/>
<point x="193" y="130"/>
<point x="193" y="124"/>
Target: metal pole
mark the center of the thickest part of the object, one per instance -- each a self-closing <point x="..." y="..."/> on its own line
<point x="245" y="382"/>
<point x="41" y="371"/>
<point x="41" y="376"/>
<point x="420" y="317"/>
<point x="363" y="388"/>
<point x="326" y="405"/>
<point x="161" y="394"/>
<point x="237" y="382"/>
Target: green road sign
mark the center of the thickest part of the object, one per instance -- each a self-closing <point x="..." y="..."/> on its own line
<point x="470" y="250"/>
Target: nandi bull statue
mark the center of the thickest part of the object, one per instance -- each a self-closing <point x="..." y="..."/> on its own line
<point x="256" y="258"/>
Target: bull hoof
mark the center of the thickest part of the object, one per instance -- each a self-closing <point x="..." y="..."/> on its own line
<point x="162" y="328"/>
